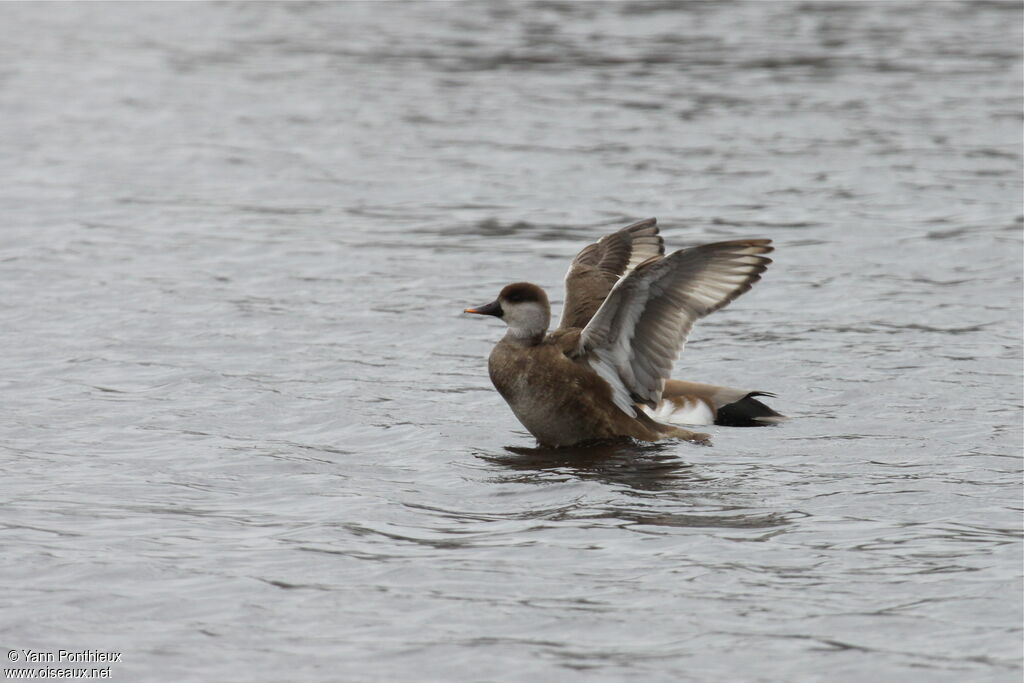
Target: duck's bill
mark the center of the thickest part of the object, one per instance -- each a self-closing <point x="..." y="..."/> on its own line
<point x="493" y="308"/>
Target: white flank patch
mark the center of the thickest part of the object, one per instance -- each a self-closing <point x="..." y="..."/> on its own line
<point x="688" y="411"/>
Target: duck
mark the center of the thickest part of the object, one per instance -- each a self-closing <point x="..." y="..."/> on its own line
<point x="604" y="372"/>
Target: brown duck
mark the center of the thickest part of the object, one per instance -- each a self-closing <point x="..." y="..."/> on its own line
<point x="604" y="372"/>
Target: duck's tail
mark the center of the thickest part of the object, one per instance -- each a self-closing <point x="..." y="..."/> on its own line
<point x="694" y="403"/>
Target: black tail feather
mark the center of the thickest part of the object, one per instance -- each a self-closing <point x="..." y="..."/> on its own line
<point x="748" y="412"/>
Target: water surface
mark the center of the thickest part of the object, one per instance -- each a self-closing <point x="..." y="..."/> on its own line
<point x="248" y="435"/>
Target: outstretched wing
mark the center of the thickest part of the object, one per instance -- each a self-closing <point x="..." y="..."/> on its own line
<point x="597" y="268"/>
<point x="636" y="335"/>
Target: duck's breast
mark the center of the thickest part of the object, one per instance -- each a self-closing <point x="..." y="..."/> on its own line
<point x="559" y="401"/>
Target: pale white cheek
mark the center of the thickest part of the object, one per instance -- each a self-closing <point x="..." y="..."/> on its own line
<point x="688" y="411"/>
<point x="526" y="320"/>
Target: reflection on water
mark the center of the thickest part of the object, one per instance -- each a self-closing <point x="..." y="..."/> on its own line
<point x="649" y="473"/>
<point x="648" y="467"/>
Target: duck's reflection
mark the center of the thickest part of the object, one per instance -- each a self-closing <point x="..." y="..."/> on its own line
<point x="653" y="472"/>
<point x="622" y="462"/>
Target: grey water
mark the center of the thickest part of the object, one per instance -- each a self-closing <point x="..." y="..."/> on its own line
<point x="246" y="432"/>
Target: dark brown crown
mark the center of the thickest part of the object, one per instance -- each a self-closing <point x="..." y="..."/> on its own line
<point x="522" y="292"/>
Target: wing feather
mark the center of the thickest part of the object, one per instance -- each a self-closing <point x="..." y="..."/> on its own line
<point x="635" y="336"/>
<point x="598" y="266"/>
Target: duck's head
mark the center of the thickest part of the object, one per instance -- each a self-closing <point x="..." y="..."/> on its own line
<point x="524" y="308"/>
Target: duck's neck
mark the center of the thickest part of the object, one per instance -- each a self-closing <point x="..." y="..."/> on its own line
<point x="527" y="336"/>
